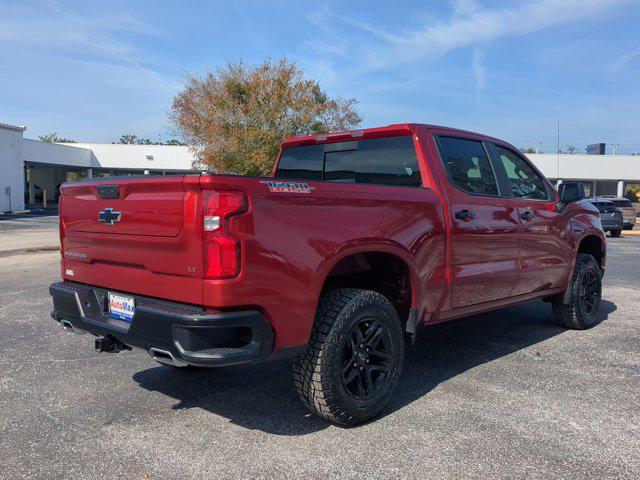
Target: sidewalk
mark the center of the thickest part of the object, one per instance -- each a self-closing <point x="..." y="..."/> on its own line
<point x="15" y="242"/>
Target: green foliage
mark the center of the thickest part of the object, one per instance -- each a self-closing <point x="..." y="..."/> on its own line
<point x="236" y="117"/>
<point x="54" y="138"/>
<point x="572" y="149"/>
<point x="632" y="192"/>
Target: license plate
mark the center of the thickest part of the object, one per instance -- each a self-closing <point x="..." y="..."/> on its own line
<point x="121" y="307"/>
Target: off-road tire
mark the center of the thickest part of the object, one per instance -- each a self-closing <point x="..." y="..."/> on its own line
<point x="576" y="314"/>
<point x="319" y="373"/>
<point x="615" y="233"/>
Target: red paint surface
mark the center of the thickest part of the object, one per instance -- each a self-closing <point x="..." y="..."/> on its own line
<point x="289" y="241"/>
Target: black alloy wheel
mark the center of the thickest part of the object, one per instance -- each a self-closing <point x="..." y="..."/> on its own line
<point x="580" y="309"/>
<point x="590" y="292"/>
<point x="366" y="358"/>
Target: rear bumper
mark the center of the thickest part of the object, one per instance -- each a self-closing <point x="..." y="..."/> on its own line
<point x="629" y="218"/>
<point x="612" y="224"/>
<point x="192" y="335"/>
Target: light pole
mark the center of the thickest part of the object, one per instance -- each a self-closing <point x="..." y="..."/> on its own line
<point x="558" y="156"/>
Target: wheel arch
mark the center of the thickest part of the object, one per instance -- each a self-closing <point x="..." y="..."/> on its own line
<point x="379" y="266"/>
<point x="594" y="245"/>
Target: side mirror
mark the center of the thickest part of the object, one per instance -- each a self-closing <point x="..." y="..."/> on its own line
<point x="571" y="192"/>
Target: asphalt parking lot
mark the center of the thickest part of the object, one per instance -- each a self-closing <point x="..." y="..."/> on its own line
<point x="503" y="395"/>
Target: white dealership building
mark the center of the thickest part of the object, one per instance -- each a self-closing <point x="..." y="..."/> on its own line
<point x="31" y="169"/>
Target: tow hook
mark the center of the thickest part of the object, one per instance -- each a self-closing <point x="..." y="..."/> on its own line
<point x="110" y="344"/>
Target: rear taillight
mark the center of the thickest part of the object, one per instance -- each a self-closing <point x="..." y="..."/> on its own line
<point x="221" y="249"/>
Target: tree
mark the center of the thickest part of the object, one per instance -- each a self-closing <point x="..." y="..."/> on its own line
<point x="54" y="138"/>
<point x="174" y="141"/>
<point x="236" y="117"/>
<point x="571" y="149"/>
<point x="144" y="141"/>
<point x="128" y="139"/>
<point x="632" y="192"/>
<point x="528" y="150"/>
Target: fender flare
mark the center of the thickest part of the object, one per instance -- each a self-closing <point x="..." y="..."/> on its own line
<point x="587" y="232"/>
<point x="354" y="247"/>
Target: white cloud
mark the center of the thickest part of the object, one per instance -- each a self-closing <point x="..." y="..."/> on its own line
<point x="465" y="7"/>
<point x="477" y="65"/>
<point x="67" y="32"/>
<point x="64" y="64"/>
<point x="624" y="59"/>
<point x="469" y="25"/>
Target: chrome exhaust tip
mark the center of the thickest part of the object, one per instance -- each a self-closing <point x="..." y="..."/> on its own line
<point x="165" y="356"/>
<point x="67" y="326"/>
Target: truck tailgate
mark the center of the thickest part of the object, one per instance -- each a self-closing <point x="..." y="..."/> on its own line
<point x="139" y="235"/>
<point x="145" y="207"/>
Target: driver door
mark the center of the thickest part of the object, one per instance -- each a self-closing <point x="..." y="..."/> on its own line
<point x="544" y="252"/>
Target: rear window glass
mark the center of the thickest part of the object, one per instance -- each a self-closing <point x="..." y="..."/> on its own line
<point x="387" y="161"/>
<point x="383" y="161"/>
<point x="605" y="207"/>
<point x="622" y="203"/>
<point x="304" y="163"/>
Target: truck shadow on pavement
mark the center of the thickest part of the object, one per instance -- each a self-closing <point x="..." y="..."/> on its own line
<point x="263" y="397"/>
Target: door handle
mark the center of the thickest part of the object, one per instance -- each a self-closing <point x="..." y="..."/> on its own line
<point x="464" y="215"/>
<point x="527" y="216"/>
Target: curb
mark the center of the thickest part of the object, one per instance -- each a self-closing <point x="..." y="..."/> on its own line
<point x="21" y="251"/>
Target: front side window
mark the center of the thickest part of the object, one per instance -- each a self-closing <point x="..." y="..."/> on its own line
<point x="468" y="166"/>
<point x="523" y="180"/>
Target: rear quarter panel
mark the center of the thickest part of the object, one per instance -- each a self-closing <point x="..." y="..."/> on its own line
<point x="290" y="242"/>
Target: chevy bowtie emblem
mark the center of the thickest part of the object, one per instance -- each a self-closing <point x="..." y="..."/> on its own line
<point x="108" y="216"/>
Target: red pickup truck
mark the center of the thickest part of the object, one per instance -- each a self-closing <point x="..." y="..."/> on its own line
<point x="355" y="240"/>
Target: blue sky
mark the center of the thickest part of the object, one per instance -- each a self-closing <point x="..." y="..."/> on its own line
<point x="92" y="71"/>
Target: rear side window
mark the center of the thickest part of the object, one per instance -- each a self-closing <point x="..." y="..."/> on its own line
<point x="304" y="163"/>
<point x="382" y="161"/>
<point x="468" y="166"/>
<point x="523" y="180"/>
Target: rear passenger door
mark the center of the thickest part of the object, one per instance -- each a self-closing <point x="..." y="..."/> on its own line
<point x="544" y="249"/>
<point x="484" y="229"/>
